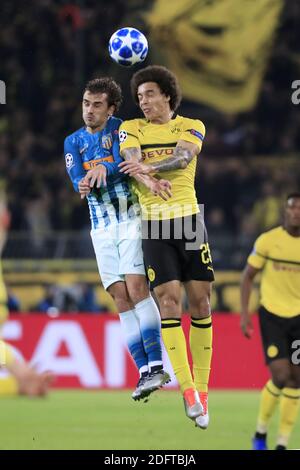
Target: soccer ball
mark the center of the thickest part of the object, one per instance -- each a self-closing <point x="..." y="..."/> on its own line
<point x="128" y="46"/>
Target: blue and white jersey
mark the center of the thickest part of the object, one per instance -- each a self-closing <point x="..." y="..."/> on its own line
<point x="83" y="151"/>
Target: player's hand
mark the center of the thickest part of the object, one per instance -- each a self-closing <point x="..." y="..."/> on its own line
<point x="133" y="168"/>
<point x="84" y="188"/>
<point x="246" y="325"/>
<point x="161" y="188"/>
<point x="96" y="175"/>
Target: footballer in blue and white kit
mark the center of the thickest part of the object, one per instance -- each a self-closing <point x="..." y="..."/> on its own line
<point x="114" y="210"/>
<point x="92" y="158"/>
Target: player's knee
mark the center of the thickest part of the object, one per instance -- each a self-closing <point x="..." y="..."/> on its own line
<point x="120" y="296"/>
<point x="281" y="378"/>
<point x="169" y="304"/>
<point x="200" y="307"/>
<point x="137" y="291"/>
<point x="122" y="301"/>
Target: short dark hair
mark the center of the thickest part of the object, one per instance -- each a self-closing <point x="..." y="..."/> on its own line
<point x="165" y="79"/>
<point x="106" y="85"/>
<point x="294" y="195"/>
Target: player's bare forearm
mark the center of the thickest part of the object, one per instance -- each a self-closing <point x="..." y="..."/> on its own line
<point x="246" y="288"/>
<point x="132" y="153"/>
<point x="179" y="160"/>
<point x="133" y="156"/>
<point x="247" y="280"/>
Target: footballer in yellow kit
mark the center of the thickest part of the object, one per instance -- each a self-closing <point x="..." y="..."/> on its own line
<point x="157" y="142"/>
<point x="276" y="254"/>
<point x="174" y="237"/>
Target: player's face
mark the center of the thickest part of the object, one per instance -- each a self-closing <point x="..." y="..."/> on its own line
<point x="153" y="103"/>
<point x="95" y="109"/>
<point x="292" y="212"/>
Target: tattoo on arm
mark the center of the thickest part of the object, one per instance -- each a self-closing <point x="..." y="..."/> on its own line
<point x="135" y="154"/>
<point x="180" y="159"/>
<point x="132" y="153"/>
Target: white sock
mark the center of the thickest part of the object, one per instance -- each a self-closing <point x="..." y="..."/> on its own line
<point x="149" y="319"/>
<point x="132" y="333"/>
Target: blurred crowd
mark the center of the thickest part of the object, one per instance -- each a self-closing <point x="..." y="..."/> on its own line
<point x="242" y="199"/>
<point x="73" y="298"/>
<point x="51" y="48"/>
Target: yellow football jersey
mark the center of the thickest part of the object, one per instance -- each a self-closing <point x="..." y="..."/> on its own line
<point x="278" y="254"/>
<point x="157" y="143"/>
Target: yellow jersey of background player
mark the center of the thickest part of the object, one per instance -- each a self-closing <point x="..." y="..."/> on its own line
<point x="157" y="143"/>
<point x="277" y="254"/>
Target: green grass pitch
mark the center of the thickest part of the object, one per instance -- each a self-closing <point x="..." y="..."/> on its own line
<point x="111" y="420"/>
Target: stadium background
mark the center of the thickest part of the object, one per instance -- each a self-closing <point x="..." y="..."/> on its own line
<point x="236" y="61"/>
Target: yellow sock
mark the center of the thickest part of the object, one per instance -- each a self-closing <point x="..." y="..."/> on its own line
<point x="8" y="386"/>
<point x="201" y="349"/>
<point x="288" y="411"/>
<point x="174" y="340"/>
<point x="268" y="400"/>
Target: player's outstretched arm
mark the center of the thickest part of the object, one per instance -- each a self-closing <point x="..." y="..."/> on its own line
<point x="184" y="153"/>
